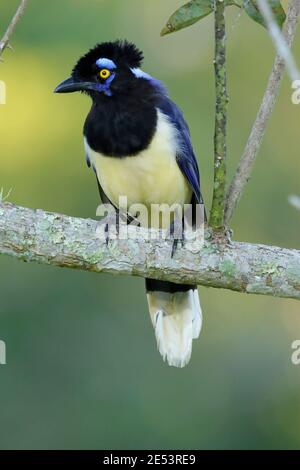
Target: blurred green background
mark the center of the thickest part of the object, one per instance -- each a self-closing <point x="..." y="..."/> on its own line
<point x="83" y="371"/>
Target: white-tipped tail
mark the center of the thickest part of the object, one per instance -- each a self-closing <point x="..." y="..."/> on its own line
<point x="177" y="320"/>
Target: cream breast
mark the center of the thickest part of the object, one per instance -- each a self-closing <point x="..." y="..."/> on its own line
<point x="151" y="177"/>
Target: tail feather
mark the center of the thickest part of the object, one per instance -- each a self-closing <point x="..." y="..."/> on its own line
<point x="197" y="320"/>
<point x="176" y="317"/>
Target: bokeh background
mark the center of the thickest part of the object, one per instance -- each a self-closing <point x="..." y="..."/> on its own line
<point x="82" y="367"/>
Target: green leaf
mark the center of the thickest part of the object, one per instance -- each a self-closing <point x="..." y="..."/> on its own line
<point x="187" y="15"/>
<point x="252" y="10"/>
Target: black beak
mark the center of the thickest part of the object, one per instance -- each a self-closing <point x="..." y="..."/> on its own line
<point x="70" y="85"/>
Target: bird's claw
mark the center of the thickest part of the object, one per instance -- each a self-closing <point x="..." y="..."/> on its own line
<point x="111" y="226"/>
<point x="176" y="234"/>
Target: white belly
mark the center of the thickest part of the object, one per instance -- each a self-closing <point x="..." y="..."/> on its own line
<point x="151" y="177"/>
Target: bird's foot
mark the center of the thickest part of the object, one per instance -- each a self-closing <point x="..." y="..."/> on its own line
<point x="108" y="227"/>
<point x="176" y="233"/>
<point x="112" y="226"/>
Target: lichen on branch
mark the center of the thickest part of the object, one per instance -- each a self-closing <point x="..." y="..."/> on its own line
<point x="59" y="240"/>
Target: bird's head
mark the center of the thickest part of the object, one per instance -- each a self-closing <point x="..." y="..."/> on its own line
<point x="107" y="69"/>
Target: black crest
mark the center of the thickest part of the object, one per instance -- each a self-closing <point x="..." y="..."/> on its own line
<point x="123" y="53"/>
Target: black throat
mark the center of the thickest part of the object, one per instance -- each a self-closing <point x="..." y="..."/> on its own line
<point x="123" y="124"/>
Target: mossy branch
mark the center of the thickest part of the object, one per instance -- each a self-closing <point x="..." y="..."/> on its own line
<point x="59" y="240"/>
<point x="218" y="203"/>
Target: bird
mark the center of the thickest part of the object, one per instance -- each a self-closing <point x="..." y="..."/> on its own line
<point x="139" y="145"/>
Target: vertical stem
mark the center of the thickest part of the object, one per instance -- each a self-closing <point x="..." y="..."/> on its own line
<point x="218" y="203"/>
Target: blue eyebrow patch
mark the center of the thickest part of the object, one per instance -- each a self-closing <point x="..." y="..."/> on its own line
<point x="103" y="62"/>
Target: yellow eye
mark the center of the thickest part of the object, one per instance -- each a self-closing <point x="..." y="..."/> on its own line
<point x="104" y="73"/>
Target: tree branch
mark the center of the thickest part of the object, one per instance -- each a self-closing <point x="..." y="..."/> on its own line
<point x="278" y="39"/>
<point x="6" y="38"/>
<point x="59" y="240"/>
<point x="248" y="157"/>
<point x="218" y="203"/>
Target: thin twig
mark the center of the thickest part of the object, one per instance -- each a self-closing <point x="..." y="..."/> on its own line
<point x="6" y="38"/>
<point x="218" y="203"/>
<point x="278" y="39"/>
<point x="4" y="197"/>
<point x="247" y="160"/>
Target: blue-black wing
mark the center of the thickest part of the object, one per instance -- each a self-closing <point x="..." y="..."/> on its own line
<point x="185" y="157"/>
